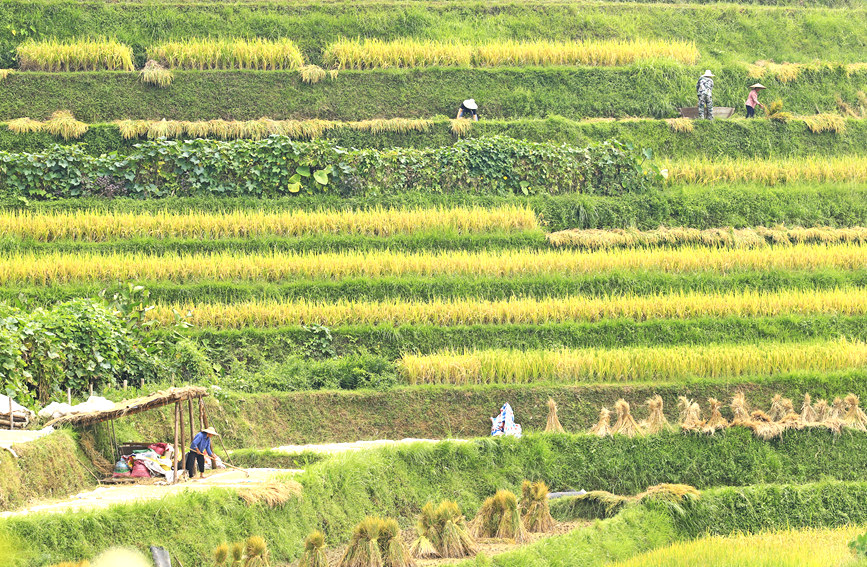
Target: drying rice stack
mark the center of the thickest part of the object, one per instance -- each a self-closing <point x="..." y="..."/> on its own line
<point x="314" y="551"/>
<point x="823" y="411"/>
<point x="499" y="517"/>
<point x="690" y="414"/>
<point x="656" y="421"/>
<point x="838" y="410"/>
<point x="716" y="422"/>
<point x="391" y="545"/>
<point x="780" y="408"/>
<point x="553" y="425"/>
<point x="603" y="426"/>
<point x="535" y="510"/>
<point x="626" y="424"/>
<point x="808" y="413"/>
<point x="855" y="417"/>
<point x="363" y="549"/>
<point x="442" y="532"/>
<point x="740" y="409"/>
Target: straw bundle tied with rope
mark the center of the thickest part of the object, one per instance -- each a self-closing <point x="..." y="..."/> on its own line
<point x="690" y="414"/>
<point x="808" y="413"/>
<point x="855" y="417"/>
<point x="553" y="425"/>
<point x="838" y="410"/>
<point x="740" y="409"/>
<point x="442" y="532"/>
<point x="823" y="411"/>
<point x="780" y="408"/>
<point x="500" y="518"/>
<point x="603" y="426"/>
<point x="625" y="424"/>
<point x="535" y="509"/>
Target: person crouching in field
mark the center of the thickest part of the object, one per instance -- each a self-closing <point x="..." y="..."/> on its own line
<point x="199" y="449"/>
<point x="705" y="95"/>
<point x="753" y="100"/>
<point x="469" y="108"/>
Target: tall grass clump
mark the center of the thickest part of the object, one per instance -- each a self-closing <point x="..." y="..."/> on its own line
<point x="74" y="55"/>
<point x="155" y="74"/>
<point x="210" y="53"/>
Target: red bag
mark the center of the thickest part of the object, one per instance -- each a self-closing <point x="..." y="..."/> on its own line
<point x="158" y="448"/>
<point x="139" y="470"/>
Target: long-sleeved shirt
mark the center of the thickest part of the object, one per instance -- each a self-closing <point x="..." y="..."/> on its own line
<point x="201" y="442"/>
<point x="753" y="98"/>
<point x="704" y="86"/>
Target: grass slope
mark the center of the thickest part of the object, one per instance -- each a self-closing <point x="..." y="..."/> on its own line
<point x="648" y="91"/>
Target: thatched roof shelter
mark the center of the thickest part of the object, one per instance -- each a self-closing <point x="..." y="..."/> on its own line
<point x="135" y="405"/>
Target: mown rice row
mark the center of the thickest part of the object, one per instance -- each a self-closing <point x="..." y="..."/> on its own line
<point x="54" y="268"/>
<point x="408" y="52"/>
<point x="755" y="237"/>
<point x="630" y="364"/>
<point x="95" y="226"/>
<point x="531" y="311"/>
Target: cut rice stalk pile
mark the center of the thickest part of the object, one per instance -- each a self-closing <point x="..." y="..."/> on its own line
<point x="553" y="424"/>
<point x="271" y="493"/>
<point x="535" y="510"/>
<point x="808" y="413"/>
<point x="499" y="517"/>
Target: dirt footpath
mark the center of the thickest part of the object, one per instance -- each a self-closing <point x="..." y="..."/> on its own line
<point x="107" y="495"/>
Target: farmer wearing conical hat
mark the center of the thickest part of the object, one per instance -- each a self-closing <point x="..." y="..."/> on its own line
<point x="705" y="95"/>
<point x="199" y="449"/>
<point x="469" y="108"/>
<point x="753" y="100"/>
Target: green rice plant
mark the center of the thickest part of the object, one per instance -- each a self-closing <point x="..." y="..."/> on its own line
<point x="499" y="517"/>
<point x="630" y="364"/>
<point x="64" y="125"/>
<point x="826" y="123"/>
<point x="788" y="548"/>
<point x="25" y="125"/>
<point x="312" y="74"/>
<point x="74" y="55"/>
<point x="225" y="53"/>
<point x="314" y="551"/>
<point x="155" y="74"/>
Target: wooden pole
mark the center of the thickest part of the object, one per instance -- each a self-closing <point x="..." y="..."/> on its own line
<point x="177" y="456"/>
<point x="11" y="417"/>
<point x="204" y="414"/>
<point x="69" y="396"/>
<point x="190" y="408"/>
<point x="180" y="410"/>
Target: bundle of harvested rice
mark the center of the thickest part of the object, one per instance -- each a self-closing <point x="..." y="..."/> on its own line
<point x="257" y="552"/>
<point x="780" y="407"/>
<point x="691" y="415"/>
<point x="425" y="544"/>
<point x="603" y="426"/>
<point x="363" y="549"/>
<point x="764" y="427"/>
<point x="823" y="411"/>
<point x="792" y="420"/>
<point x="740" y="409"/>
<point x="838" y="410"/>
<point x="272" y="493"/>
<point x="314" y="551"/>
<point x="535" y="509"/>
<point x="683" y="405"/>
<point x="553" y="424"/>
<point x="674" y="493"/>
<point x="716" y="422"/>
<point x="855" y="417"/>
<point x="499" y="517"/>
<point x="808" y="414"/>
<point x="626" y="424"/>
<point x="393" y="549"/>
<point x="656" y="421"/>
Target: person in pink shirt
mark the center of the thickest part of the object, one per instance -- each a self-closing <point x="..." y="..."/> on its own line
<point x="753" y="100"/>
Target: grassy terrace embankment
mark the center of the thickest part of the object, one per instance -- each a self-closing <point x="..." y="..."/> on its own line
<point x="731" y="138"/>
<point x="280" y="418"/>
<point x="647" y="90"/>
<point x="340" y="491"/>
<point x="722" y="32"/>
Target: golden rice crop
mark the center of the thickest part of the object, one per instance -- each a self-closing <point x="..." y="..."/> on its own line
<point x="461" y="126"/>
<point x="5" y="73"/>
<point x="64" y="125"/>
<point x="629" y="364"/>
<point x="24" y="125"/>
<point x="311" y="74"/>
<point x="594" y="52"/>
<point x="789" y="548"/>
<point x="705" y="171"/>
<point x="753" y="237"/>
<point x="228" y="54"/>
<point x="408" y="52"/>
<point x="56" y="267"/>
<point x="92" y="226"/>
<point x="681" y="125"/>
<point x="788" y="72"/>
<point x="526" y="311"/>
<point x="74" y="55"/>
<point x="155" y="74"/>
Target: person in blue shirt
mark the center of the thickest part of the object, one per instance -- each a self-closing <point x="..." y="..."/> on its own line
<point x="199" y="449"/>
